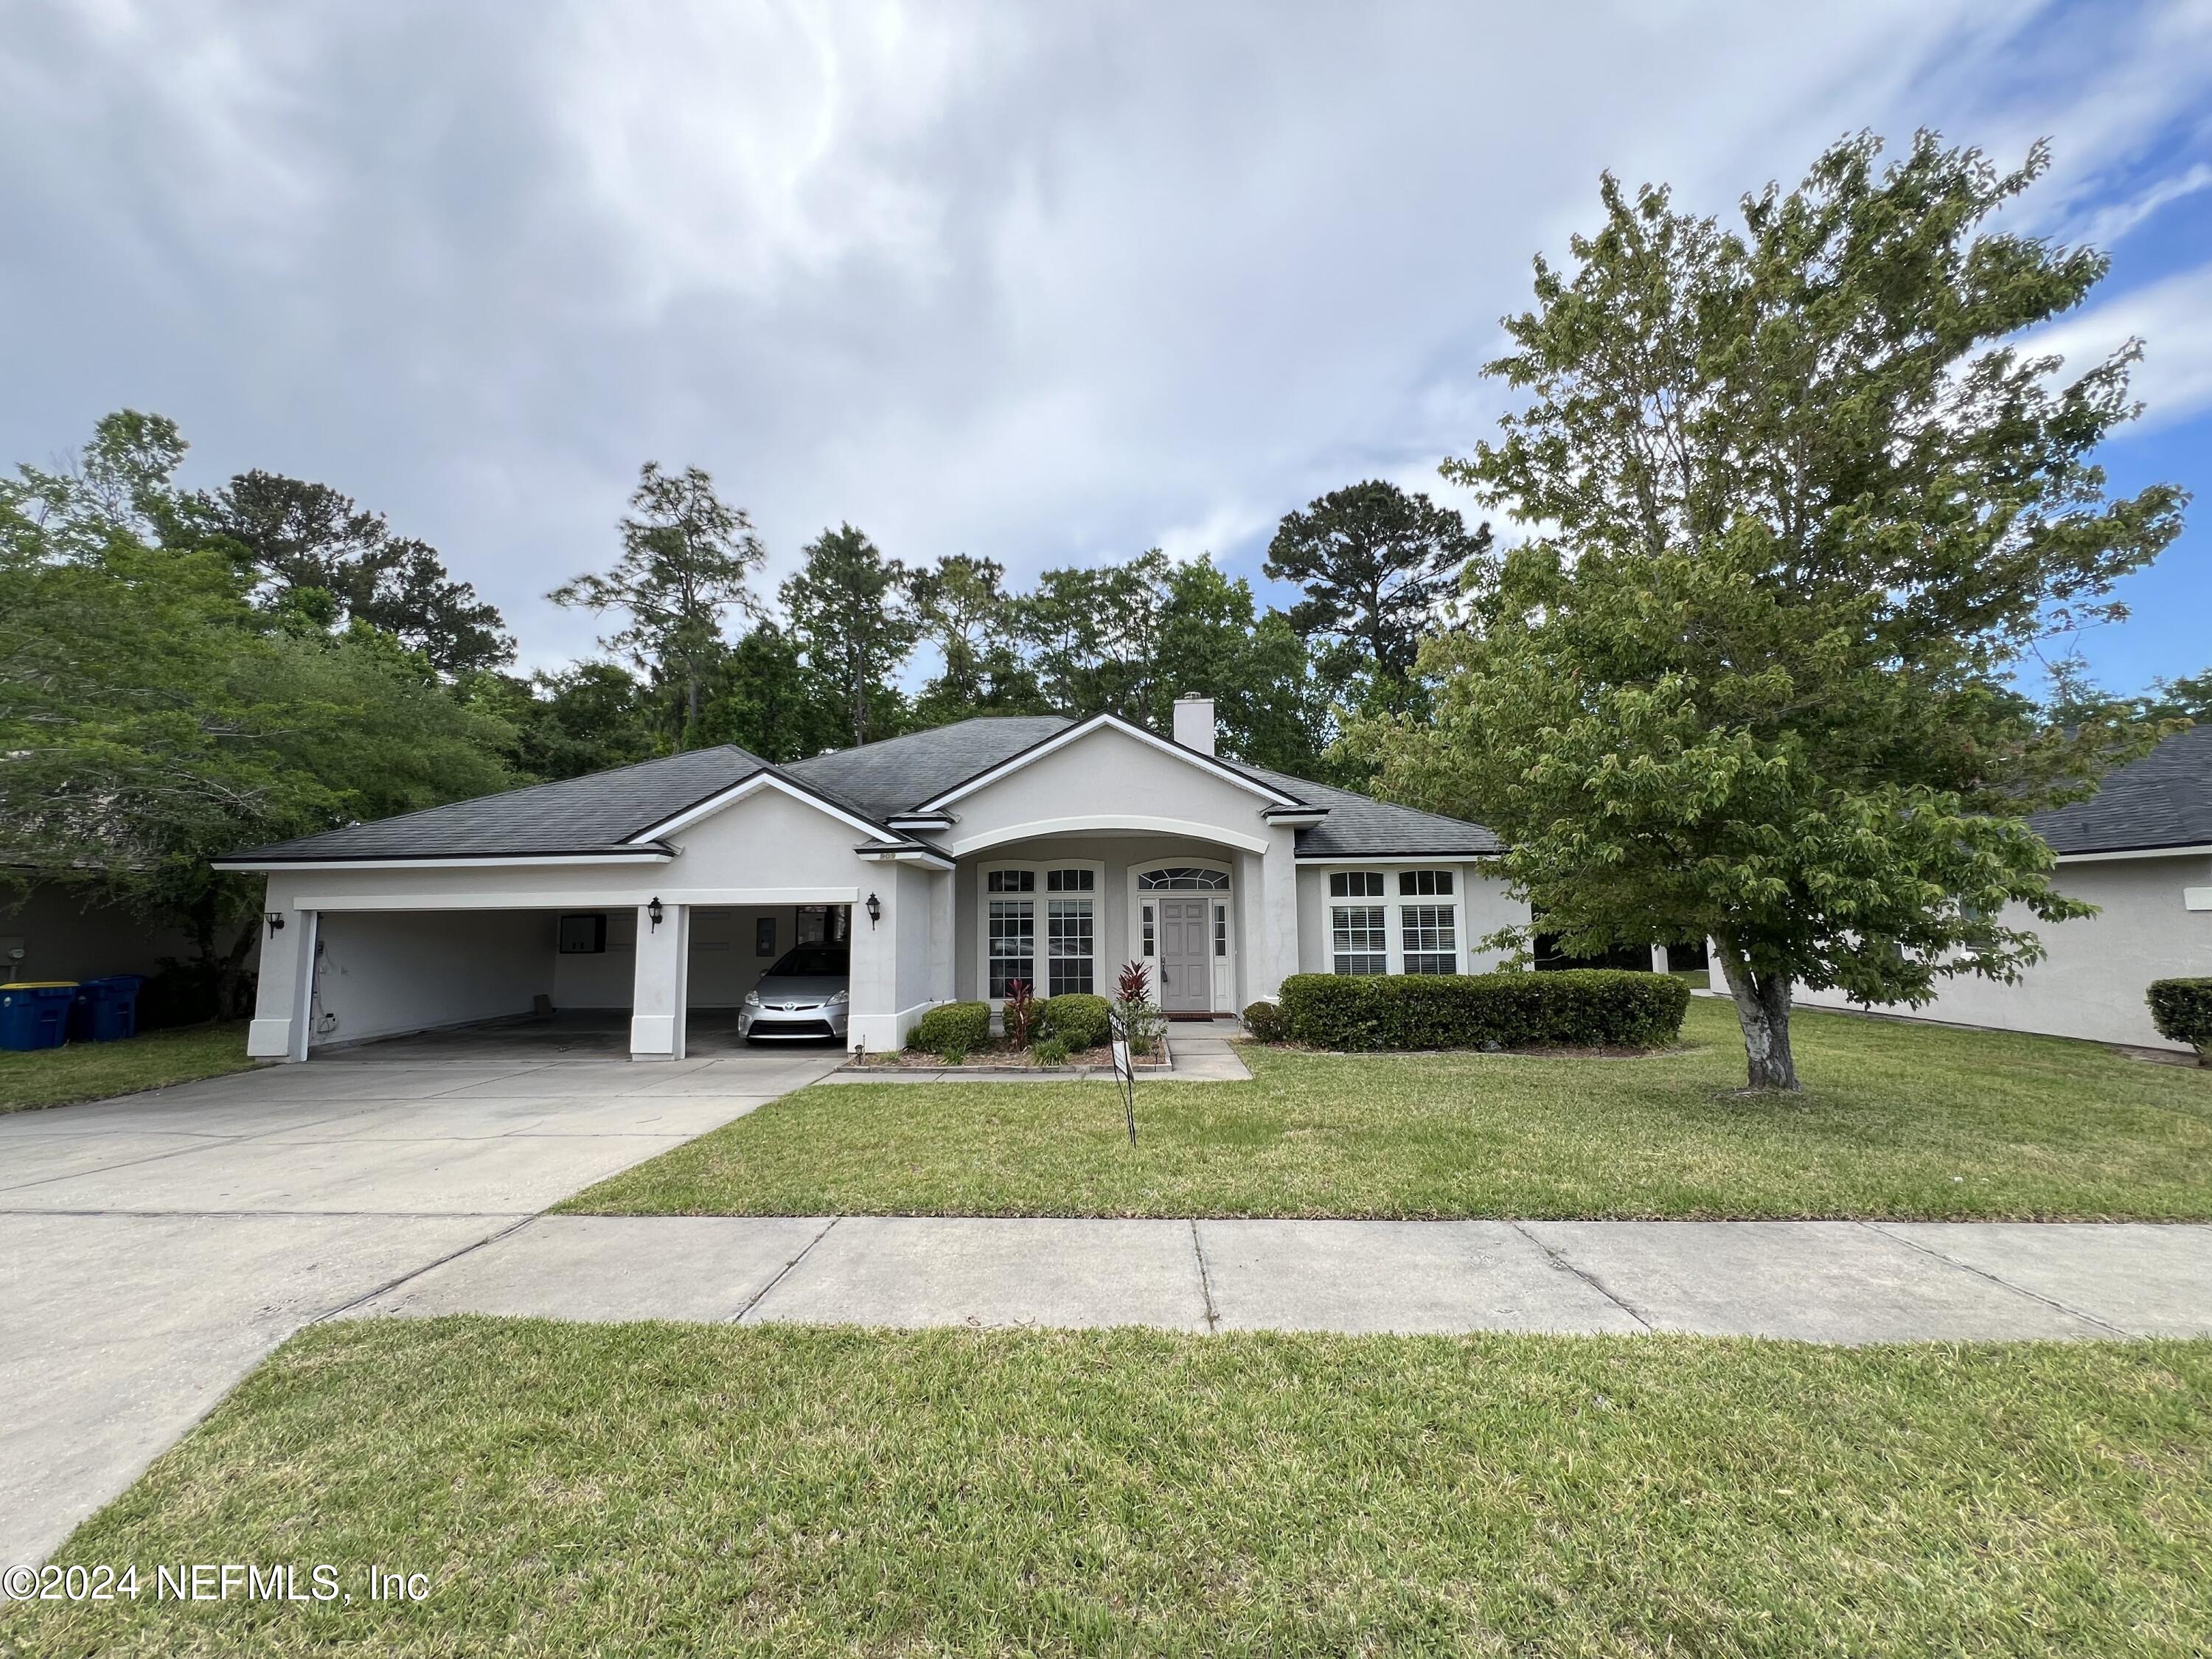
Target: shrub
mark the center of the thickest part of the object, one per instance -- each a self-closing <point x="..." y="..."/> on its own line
<point x="1583" y="1007"/>
<point x="950" y="1026"/>
<point x="1053" y="1051"/>
<point x="1265" y="1021"/>
<point x="1076" y="1018"/>
<point x="2182" y="1010"/>
<point x="954" y="1054"/>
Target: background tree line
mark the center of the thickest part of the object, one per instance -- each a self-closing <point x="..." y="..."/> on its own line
<point x="185" y="673"/>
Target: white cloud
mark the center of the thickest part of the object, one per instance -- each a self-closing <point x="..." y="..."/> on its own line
<point x="1039" y="283"/>
<point x="2172" y="318"/>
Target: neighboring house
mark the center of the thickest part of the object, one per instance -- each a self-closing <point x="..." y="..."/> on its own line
<point x="64" y="933"/>
<point x="2140" y="850"/>
<point x="956" y="860"/>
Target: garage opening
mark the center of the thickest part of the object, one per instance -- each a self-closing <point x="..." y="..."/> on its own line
<point x="556" y="984"/>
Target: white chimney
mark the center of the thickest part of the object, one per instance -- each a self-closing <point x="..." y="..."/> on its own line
<point x="1193" y="723"/>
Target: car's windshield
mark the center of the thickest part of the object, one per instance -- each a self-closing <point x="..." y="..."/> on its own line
<point x="813" y="962"/>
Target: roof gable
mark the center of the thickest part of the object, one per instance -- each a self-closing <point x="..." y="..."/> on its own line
<point x="1075" y="732"/>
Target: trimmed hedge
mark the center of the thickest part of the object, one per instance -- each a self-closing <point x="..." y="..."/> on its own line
<point x="1076" y="1018"/>
<point x="951" y="1028"/>
<point x="1579" y="1008"/>
<point x="2182" y="1010"/>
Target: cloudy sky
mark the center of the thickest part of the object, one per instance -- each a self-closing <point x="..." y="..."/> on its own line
<point x="1049" y="283"/>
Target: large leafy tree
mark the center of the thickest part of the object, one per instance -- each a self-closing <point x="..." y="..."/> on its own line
<point x="964" y="610"/>
<point x="299" y="538"/>
<point x="687" y="558"/>
<point x="1378" y="566"/>
<point x="151" y="718"/>
<point x="1092" y="637"/>
<point x="1268" y="709"/>
<point x="1795" y="510"/>
<point x="852" y="615"/>
<point x="763" y="700"/>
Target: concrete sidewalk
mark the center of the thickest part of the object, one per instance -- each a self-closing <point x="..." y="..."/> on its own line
<point x="1825" y="1281"/>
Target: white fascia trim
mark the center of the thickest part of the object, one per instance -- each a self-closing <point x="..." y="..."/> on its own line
<point x="521" y="860"/>
<point x="1410" y="859"/>
<point x="1097" y="722"/>
<point x="1283" y="817"/>
<point x="920" y="821"/>
<point x="1109" y="821"/>
<point x="920" y="855"/>
<point x="600" y="898"/>
<point x="2197" y="852"/>
<point x="736" y="793"/>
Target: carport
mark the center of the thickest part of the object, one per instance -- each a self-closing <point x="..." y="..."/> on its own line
<point x="555" y="984"/>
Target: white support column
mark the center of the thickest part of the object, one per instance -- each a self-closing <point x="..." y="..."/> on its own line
<point x="941" y="932"/>
<point x="662" y="985"/>
<point x="284" y="1001"/>
<point x="1659" y="959"/>
<point x="1251" y="929"/>
<point x="871" y="1021"/>
<point x="1277" y="899"/>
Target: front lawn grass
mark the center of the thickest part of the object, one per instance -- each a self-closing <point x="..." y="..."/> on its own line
<point x="665" y="1489"/>
<point x="93" y="1071"/>
<point x="1897" y="1122"/>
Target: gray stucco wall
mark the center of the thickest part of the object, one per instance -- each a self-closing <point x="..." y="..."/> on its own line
<point x="2092" y="983"/>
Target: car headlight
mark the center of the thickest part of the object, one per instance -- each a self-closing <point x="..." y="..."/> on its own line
<point x="839" y="1000"/>
<point x="752" y="998"/>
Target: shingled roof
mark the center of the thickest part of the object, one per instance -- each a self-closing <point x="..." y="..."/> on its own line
<point x="605" y="812"/>
<point x="2164" y="799"/>
<point x="593" y="814"/>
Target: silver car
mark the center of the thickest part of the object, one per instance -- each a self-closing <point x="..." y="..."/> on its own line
<point x="806" y="994"/>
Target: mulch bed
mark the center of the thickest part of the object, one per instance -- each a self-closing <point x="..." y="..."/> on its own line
<point x="1000" y="1055"/>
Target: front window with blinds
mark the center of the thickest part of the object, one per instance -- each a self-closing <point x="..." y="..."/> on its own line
<point x="1430" y="938"/>
<point x="1360" y="935"/>
<point x="1013" y="944"/>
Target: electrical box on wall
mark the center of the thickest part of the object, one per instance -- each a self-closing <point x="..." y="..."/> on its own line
<point x="582" y="936"/>
<point x="2196" y="898"/>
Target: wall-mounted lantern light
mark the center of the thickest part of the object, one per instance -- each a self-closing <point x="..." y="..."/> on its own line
<point x="275" y="920"/>
<point x="875" y="910"/>
<point x="654" y="911"/>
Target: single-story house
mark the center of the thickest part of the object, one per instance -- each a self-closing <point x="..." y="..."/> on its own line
<point x="2140" y="850"/>
<point x="954" y="861"/>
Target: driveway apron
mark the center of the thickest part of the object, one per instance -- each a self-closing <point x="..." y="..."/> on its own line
<point x="155" y="1248"/>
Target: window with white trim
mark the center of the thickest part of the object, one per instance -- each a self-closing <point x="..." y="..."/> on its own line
<point x="1356" y="884"/>
<point x="1425" y="884"/>
<point x="1221" y="930"/>
<point x="1070" y="950"/>
<point x="1429" y="934"/>
<point x="1360" y="936"/>
<point x="1149" y="948"/>
<point x="1184" y="878"/>
<point x="1011" y="924"/>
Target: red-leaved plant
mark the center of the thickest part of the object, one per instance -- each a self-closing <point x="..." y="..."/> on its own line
<point x="1020" y="1011"/>
<point x="1135" y="984"/>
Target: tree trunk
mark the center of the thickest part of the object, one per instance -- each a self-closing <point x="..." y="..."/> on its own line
<point x="1762" y="1009"/>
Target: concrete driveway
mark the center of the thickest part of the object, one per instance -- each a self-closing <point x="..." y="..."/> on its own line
<point x="156" y="1247"/>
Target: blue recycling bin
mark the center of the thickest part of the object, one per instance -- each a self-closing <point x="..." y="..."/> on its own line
<point x="105" y="1010"/>
<point x="35" y="1016"/>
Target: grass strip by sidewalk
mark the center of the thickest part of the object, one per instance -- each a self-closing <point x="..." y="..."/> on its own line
<point x="1897" y="1121"/>
<point x="93" y="1071"/>
<point x="663" y="1489"/>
